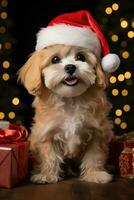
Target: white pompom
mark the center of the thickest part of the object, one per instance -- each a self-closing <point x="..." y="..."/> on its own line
<point x="110" y="62"/>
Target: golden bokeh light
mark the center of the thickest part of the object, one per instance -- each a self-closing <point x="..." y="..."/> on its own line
<point x="115" y="92"/>
<point x="132" y="24"/>
<point x="129" y="82"/>
<point x="4" y="3"/>
<point x="0" y="46"/>
<point x="118" y="112"/>
<point x="114" y="38"/>
<point x="124" y="24"/>
<point x="125" y="54"/>
<point x="7" y="45"/>
<point x="2" y="29"/>
<point x="6" y="64"/>
<point x="123" y="125"/>
<point x="130" y="34"/>
<point x="5" y="77"/>
<point x="123" y="44"/>
<point x="117" y="121"/>
<point x="124" y="92"/>
<point x="3" y="15"/>
<point x="112" y="79"/>
<point x="115" y="6"/>
<point x="11" y="115"/>
<point x="126" y="108"/>
<point x="127" y="75"/>
<point x="108" y="10"/>
<point x="15" y="101"/>
<point x="121" y="77"/>
<point x="2" y="115"/>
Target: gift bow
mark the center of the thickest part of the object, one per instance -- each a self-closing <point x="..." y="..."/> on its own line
<point x="13" y="133"/>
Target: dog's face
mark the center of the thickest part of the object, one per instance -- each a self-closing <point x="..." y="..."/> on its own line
<point x="65" y="70"/>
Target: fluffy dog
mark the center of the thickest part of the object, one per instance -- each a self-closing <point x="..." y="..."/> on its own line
<point x="71" y="112"/>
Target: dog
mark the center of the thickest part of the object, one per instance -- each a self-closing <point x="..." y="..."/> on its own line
<point x="71" y="112"/>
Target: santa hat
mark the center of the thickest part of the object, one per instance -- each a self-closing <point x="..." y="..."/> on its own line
<point x="78" y="29"/>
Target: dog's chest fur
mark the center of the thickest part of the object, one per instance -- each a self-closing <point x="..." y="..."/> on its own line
<point x="74" y="117"/>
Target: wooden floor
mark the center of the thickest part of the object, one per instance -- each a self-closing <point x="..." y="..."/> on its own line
<point x="118" y="189"/>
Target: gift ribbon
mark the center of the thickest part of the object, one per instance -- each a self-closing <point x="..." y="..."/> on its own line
<point x="13" y="134"/>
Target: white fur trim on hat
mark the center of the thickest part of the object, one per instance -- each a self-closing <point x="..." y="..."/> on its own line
<point x="110" y="62"/>
<point x="68" y="35"/>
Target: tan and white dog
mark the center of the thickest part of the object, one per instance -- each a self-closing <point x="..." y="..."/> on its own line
<point x="71" y="111"/>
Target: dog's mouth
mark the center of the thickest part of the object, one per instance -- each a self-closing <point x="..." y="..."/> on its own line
<point x="71" y="81"/>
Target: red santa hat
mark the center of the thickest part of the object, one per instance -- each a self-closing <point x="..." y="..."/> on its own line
<point x="78" y="29"/>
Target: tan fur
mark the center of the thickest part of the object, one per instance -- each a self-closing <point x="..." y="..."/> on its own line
<point x="67" y="127"/>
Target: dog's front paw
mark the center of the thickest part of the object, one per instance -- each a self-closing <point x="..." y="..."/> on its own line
<point x="97" y="177"/>
<point x="41" y="178"/>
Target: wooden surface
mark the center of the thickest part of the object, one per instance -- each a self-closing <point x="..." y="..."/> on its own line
<point x="118" y="189"/>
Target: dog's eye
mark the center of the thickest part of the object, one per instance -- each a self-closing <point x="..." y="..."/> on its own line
<point x="80" y="57"/>
<point x="55" y="60"/>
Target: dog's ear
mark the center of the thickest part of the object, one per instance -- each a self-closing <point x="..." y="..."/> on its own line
<point x="30" y="74"/>
<point x="101" y="79"/>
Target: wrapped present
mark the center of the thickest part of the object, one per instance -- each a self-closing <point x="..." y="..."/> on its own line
<point x="13" y="155"/>
<point x="116" y="147"/>
<point x="126" y="163"/>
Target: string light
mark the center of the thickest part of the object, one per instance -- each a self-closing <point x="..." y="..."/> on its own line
<point x="6" y="64"/>
<point x="123" y="125"/>
<point x="127" y="75"/>
<point x="125" y="54"/>
<point x="2" y="115"/>
<point x="130" y="34"/>
<point x="3" y="15"/>
<point x="11" y="115"/>
<point x="15" y="101"/>
<point x="114" y="38"/>
<point x="112" y="79"/>
<point x="118" y="112"/>
<point x="5" y="77"/>
<point x="121" y="77"/>
<point x="124" y="24"/>
<point x="124" y="92"/>
<point x="117" y="121"/>
<point x="108" y="10"/>
<point x="126" y="108"/>
<point x="115" y="92"/>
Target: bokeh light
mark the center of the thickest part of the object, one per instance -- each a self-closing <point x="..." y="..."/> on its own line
<point x="115" y="92"/>
<point x="115" y="6"/>
<point x="118" y="112"/>
<point x="126" y="108"/>
<point x="108" y="10"/>
<point x="123" y="125"/>
<point x="121" y="77"/>
<point x="5" y="77"/>
<point x="117" y="121"/>
<point x="11" y="115"/>
<point x="112" y="79"/>
<point x="2" y="115"/>
<point x="15" y="101"/>
<point x="124" y="92"/>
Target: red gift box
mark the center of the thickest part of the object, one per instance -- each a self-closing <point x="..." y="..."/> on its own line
<point x="115" y="149"/>
<point x="13" y="154"/>
<point x="126" y="163"/>
<point x="13" y="163"/>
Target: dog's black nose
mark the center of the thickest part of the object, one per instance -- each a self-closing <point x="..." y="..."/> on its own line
<point x="70" y="68"/>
